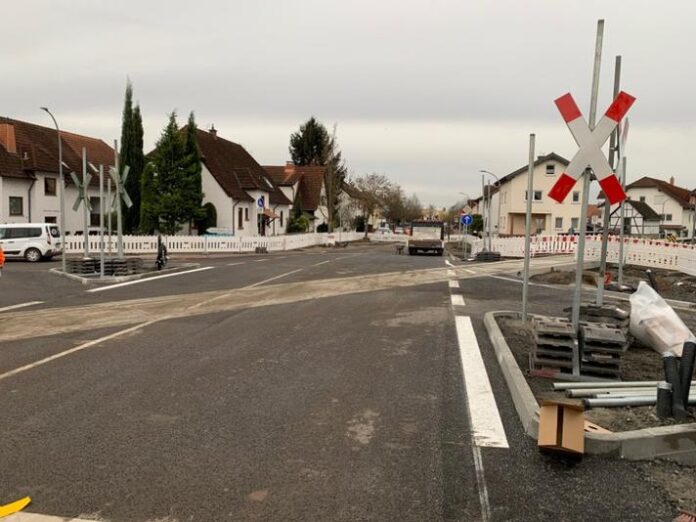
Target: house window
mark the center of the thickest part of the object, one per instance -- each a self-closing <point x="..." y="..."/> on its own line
<point x="576" y="196"/>
<point x="574" y="222"/>
<point x="16" y="206"/>
<point x="51" y="219"/>
<point x="281" y="218"/>
<point x="559" y="222"/>
<point x="666" y="217"/>
<point x="550" y="169"/>
<point x="240" y="219"/>
<point x="50" y="186"/>
<point x="537" y="195"/>
<point x="246" y="214"/>
<point x="94" y="213"/>
<point x="642" y="199"/>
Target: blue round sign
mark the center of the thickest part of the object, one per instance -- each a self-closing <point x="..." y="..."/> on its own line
<point x="261" y="202"/>
<point x="466" y="219"/>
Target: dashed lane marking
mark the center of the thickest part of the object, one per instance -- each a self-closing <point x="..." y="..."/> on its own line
<point x="469" y="271"/>
<point x="235" y="264"/>
<point x="148" y="279"/>
<point x="274" y="278"/>
<point x="22" y="305"/>
<point x="453" y="283"/>
<point x="323" y="262"/>
<point x="260" y="260"/>
<point x="457" y="300"/>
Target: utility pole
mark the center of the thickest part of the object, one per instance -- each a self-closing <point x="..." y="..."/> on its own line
<point x="85" y="206"/>
<point x="119" y="213"/>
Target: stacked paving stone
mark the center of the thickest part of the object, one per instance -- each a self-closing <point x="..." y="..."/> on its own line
<point x="112" y="267"/>
<point x="602" y="346"/>
<point x="554" y="341"/>
<point x="612" y="315"/>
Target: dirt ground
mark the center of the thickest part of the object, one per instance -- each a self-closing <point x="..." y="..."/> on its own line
<point x="638" y="364"/>
<point x="671" y="283"/>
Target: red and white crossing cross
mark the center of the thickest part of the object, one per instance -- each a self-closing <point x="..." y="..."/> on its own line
<point x="590" y="143"/>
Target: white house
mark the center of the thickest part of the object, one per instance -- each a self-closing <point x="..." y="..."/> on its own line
<point x="508" y="201"/>
<point x="304" y="187"/>
<point x="247" y="201"/>
<point x="671" y="202"/>
<point x="639" y="219"/>
<point x="29" y="184"/>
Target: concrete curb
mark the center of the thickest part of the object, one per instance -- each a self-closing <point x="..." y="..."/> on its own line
<point x="676" y="443"/>
<point x="123" y="279"/>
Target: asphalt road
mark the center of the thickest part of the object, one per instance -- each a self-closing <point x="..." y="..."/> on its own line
<point x="346" y="406"/>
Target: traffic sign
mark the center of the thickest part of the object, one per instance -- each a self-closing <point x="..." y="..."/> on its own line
<point x="261" y="202"/>
<point x="590" y="142"/>
<point x="82" y="196"/>
<point x="466" y="219"/>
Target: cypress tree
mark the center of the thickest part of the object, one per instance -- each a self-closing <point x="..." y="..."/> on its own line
<point x="132" y="155"/>
<point x="191" y="171"/>
<point x="148" y="221"/>
<point x="170" y="183"/>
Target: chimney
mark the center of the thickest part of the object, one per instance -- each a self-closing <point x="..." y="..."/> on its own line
<point x="671" y="180"/>
<point x="7" y="137"/>
<point x="213" y="131"/>
<point x="289" y="167"/>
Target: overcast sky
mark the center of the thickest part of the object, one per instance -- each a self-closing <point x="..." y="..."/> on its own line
<point x="426" y="92"/>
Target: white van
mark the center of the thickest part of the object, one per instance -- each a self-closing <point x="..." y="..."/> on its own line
<point x="32" y="241"/>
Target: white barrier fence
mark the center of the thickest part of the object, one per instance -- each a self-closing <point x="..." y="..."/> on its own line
<point x="641" y="252"/>
<point x="208" y="244"/>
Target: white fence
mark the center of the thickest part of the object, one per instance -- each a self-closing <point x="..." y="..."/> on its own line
<point x="208" y="244"/>
<point x="641" y="252"/>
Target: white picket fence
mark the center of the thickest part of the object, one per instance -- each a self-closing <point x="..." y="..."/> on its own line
<point x="641" y="252"/>
<point x="209" y="244"/>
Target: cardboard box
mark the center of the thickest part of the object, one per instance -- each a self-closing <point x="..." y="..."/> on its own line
<point x="562" y="426"/>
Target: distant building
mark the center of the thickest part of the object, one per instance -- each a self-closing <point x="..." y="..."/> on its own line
<point x="639" y="220"/>
<point x="304" y="187"/>
<point x="29" y="178"/>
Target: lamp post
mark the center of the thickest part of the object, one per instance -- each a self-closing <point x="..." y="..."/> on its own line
<point x="490" y="201"/>
<point x="62" y="190"/>
<point x="692" y="200"/>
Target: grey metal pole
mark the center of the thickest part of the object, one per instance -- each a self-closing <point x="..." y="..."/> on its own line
<point x="119" y="214"/>
<point x="607" y="206"/>
<point x="101" y="221"/>
<point x="85" y="210"/>
<point x="527" y="226"/>
<point x="621" y="221"/>
<point x="575" y="316"/>
<point x="108" y="216"/>
<point x="61" y="178"/>
<point x="483" y="209"/>
<point x="490" y="202"/>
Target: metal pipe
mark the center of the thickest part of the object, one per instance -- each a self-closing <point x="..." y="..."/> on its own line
<point x="623" y="384"/>
<point x="589" y="392"/>
<point x="636" y="393"/>
<point x="643" y="400"/>
<point x="527" y="226"/>
<point x="671" y="366"/>
<point x="686" y="370"/>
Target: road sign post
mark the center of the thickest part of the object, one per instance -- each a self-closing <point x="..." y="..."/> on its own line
<point x="528" y="227"/>
<point x="101" y="221"/>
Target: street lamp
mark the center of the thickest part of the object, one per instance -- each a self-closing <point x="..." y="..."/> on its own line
<point x="490" y="200"/>
<point x="62" y="191"/>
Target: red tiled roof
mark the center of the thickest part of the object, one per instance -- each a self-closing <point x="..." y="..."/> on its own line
<point x="235" y="170"/>
<point x="679" y="194"/>
<point x="37" y="151"/>
<point x="310" y="178"/>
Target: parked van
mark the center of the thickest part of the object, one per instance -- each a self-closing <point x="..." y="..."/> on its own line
<point x="32" y="241"/>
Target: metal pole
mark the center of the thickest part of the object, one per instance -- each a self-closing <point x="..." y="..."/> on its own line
<point x="61" y="177"/>
<point x="607" y="206"/>
<point x="575" y="317"/>
<point x="108" y="207"/>
<point x="621" y="220"/>
<point x="119" y="214"/>
<point x="483" y="209"/>
<point x="527" y="226"/>
<point x="490" y="225"/>
<point x="85" y="210"/>
<point x="101" y="221"/>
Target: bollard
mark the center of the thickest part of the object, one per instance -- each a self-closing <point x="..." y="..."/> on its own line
<point x="671" y="366"/>
<point x="664" y="400"/>
<point x="686" y="369"/>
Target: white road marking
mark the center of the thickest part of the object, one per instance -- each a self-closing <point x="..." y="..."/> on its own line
<point x="148" y="279"/>
<point x="453" y="284"/>
<point x="274" y="278"/>
<point x="23" y="516"/>
<point x="78" y="348"/>
<point x="481" y="482"/>
<point x="457" y="299"/>
<point x="235" y="264"/>
<point x="486" y="425"/>
<point x="22" y="305"/>
<point x="260" y="260"/>
<point x="323" y="262"/>
<point x="468" y="270"/>
<point x="447" y="262"/>
<point x="451" y="273"/>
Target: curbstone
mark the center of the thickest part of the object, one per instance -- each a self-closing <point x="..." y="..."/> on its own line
<point x="122" y="279"/>
<point x="676" y="443"/>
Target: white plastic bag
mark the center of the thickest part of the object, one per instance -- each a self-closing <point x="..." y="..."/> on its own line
<point x="655" y="324"/>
